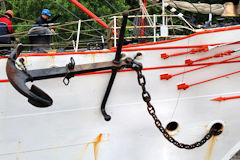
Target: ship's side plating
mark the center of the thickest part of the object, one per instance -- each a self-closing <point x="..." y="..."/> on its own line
<point x="73" y="128"/>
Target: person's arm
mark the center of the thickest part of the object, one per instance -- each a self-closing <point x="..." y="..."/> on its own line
<point x="11" y="31"/>
<point x="52" y="20"/>
<point x="10" y="27"/>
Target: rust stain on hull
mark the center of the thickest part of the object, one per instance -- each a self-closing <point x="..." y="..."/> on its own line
<point x="211" y="147"/>
<point x="93" y="56"/>
<point x="96" y="142"/>
<point x="96" y="145"/>
<point x="81" y="154"/>
<point x="19" y="150"/>
<point x="52" y="61"/>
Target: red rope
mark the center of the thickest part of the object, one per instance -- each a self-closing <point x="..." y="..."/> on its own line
<point x="188" y="61"/>
<point x="220" y="99"/>
<point x="185" y="86"/>
<point x="193" y="51"/>
<point x="168" y="76"/>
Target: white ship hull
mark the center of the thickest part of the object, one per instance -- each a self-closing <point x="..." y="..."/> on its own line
<point x="74" y="128"/>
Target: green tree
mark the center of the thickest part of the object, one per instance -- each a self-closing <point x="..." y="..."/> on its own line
<point x="31" y="9"/>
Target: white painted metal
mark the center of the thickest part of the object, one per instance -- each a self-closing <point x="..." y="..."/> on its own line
<point x="164" y="31"/>
<point x="73" y="128"/>
<point x="163" y="7"/>
<point x="155" y="28"/>
<point x="78" y="35"/>
<point x="115" y="30"/>
<point x="102" y="39"/>
<point x="74" y="46"/>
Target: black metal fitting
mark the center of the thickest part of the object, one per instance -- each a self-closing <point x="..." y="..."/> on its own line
<point x="71" y="65"/>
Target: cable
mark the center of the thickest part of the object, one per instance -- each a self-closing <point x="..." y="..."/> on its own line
<point x="75" y="16"/>
<point x="111" y="6"/>
<point x="70" y="23"/>
<point x="64" y="38"/>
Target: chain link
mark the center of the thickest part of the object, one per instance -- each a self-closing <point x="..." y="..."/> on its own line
<point x="147" y="98"/>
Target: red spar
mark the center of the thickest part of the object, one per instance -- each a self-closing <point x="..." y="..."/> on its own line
<point x="84" y="9"/>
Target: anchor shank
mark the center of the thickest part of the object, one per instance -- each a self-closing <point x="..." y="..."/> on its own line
<point x="48" y="73"/>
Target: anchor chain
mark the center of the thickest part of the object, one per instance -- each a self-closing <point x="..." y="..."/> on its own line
<point x="147" y="98"/>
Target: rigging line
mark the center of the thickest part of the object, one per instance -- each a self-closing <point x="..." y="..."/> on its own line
<point x="18" y="26"/>
<point x="66" y="38"/>
<point x="23" y="19"/>
<point x="87" y="34"/>
<point x="58" y="26"/>
<point x="26" y="35"/>
<point x="119" y="13"/>
<point x="132" y="10"/>
<point x="76" y="16"/>
<point x="92" y="35"/>
<point x="111" y="5"/>
<point x="70" y="31"/>
<point x="174" y="3"/>
<point x="71" y="23"/>
<point x="34" y="24"/>
<point x="195" y="7"/>
<point x="65" y="29"/>
<point x="66" y="10"/>
<point x="117" y="10"/>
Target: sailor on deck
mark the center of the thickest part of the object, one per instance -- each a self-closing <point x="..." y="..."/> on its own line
<point x="5" y="29"/>
<point x="44" y="19"/>
<point x="40" y="35"/>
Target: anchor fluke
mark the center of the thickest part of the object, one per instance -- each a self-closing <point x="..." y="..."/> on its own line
<point x="42" y="99"/>
<point x="18" y="79"/>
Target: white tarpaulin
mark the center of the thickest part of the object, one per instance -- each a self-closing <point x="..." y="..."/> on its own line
<point x="202" y="8"/>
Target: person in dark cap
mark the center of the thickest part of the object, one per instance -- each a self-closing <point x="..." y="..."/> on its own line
<point x="6" y="29"/>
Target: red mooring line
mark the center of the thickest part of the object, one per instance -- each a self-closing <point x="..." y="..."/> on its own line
<point x="192" y="51"/>
<point x="185" y="86"/>
<point x="169" y="76"/>
<point x="227" y="53"/>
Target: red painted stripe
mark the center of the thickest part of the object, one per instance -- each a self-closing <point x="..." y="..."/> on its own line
<point x="129" y="47"/>
<point x="188" y="36"/>
<point x="61" y="54"/>
<point x="4" y="80"/>
<point x="114" y="50"/>
<point x="150" y="68"/>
